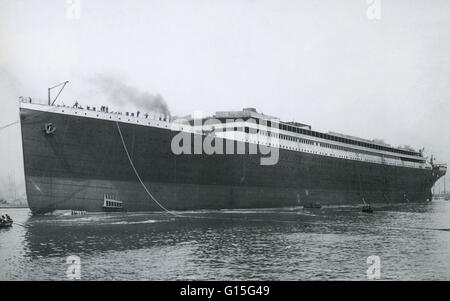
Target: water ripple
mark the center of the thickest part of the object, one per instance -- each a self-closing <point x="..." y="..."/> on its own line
<point x="331" y="243"/>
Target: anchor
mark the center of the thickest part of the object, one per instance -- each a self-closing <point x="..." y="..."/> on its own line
<point x="49" y="129"/>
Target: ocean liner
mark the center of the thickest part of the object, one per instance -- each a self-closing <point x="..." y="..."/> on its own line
<point x="95" y="160"/>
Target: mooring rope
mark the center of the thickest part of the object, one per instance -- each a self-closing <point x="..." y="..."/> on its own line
<point x="8" y="125"/>
<point x="27" y="121"/>
<point x="139" y="177"/>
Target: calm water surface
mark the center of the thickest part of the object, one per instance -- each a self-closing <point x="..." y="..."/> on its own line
<point x="332" y="243"/>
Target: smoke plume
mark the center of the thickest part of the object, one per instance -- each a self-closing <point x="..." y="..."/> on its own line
<point x="120" y="93"/>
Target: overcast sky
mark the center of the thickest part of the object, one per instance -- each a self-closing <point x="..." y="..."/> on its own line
<point x="319" y="62"/>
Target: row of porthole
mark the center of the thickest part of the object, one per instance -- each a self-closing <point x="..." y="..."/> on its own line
<point x="292" y="148"/>
<point x="321" y="144"/>
<point x="119" y="118"/>
<point x="312" y="152"/>
<point x="343" y="157"/>
<point x="325" y="154"/>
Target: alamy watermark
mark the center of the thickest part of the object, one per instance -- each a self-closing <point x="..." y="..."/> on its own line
<point x="231" y="136"/>
<point x="73" y="271"/>
<point x="374" y="270"/>
<point x="73" y="9"/>
<point x="374" y="9"/>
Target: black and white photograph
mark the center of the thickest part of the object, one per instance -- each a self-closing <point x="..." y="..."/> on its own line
<point x="211" y="141"/>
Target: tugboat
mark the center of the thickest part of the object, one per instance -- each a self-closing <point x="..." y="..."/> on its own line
<point x="366" y="208"/>
<point x="5" y="221"/>
<point x="312" y="205"/>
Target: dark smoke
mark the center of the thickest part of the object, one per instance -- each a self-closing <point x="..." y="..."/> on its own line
<point x="119" y="93"/>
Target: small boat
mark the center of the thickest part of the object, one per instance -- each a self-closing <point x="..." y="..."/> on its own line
<point x="367" y="209"/>
<point x="312" y="205"/>
<point x="6" y="224"/>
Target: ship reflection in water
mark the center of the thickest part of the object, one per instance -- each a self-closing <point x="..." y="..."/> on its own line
<point x="330" y="243"/>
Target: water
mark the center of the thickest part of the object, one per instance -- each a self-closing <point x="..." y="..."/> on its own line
<point x="332" y="243"/>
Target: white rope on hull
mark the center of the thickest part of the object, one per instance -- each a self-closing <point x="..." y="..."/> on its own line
<point x="139" y="177"/>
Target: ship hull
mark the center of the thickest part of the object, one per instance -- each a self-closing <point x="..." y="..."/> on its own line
<point x="84" y="159"/>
